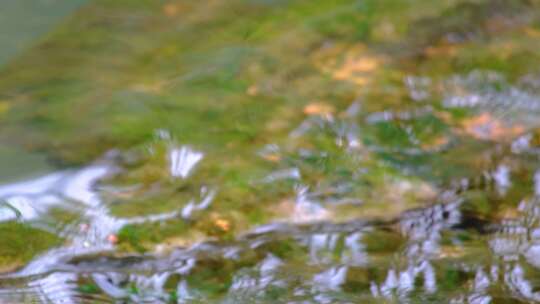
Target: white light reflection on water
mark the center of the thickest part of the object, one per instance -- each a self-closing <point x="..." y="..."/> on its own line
<point x="183" y="160"/>
<point x="75" y="191"/>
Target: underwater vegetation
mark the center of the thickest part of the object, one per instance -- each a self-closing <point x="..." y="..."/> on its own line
<point x="269" y="151"/>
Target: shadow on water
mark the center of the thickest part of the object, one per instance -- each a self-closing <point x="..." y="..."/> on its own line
<point x="39" y="16"/>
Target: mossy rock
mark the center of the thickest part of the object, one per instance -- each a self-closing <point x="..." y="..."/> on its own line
<point x="20" y="243"/>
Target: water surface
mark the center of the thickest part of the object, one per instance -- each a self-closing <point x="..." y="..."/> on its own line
<point x="274" y="152"/>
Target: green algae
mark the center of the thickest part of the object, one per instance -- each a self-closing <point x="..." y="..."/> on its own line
<point x="20" y="243"/>
<point x="230" y="79"/>
<point x="130" y="83"/>
<point x="202" y="76"/>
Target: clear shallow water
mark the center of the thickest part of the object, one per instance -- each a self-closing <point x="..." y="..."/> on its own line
<point x="39" y="17"/>
<point x="364" y="152"/>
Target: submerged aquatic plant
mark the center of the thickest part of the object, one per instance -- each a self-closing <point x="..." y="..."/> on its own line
<point x="271" y="151"/>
